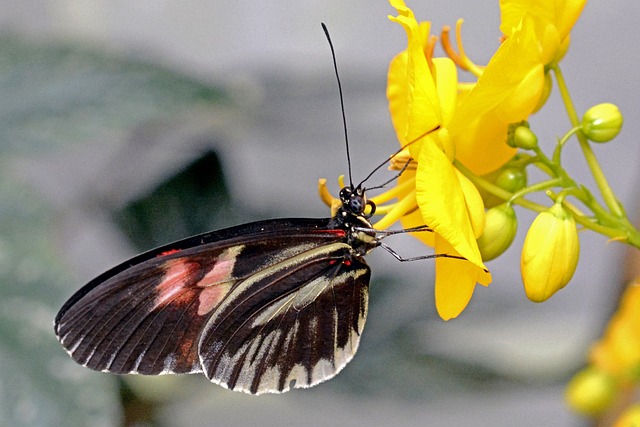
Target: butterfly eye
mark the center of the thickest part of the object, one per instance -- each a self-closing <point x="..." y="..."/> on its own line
<point x="356" y="204"/>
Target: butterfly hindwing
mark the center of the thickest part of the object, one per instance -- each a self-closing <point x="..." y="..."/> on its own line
<point x="299" y="320"/>
<point x="253" y="306"/>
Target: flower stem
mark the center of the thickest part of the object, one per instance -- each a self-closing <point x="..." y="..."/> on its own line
<point x="540" y="186"/>
<point x="562" y="141"/>
<point x="607" y="194"/>
<point x="497" y="191"/>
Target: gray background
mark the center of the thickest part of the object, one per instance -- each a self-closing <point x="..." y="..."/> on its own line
<point x="284" y="132"/>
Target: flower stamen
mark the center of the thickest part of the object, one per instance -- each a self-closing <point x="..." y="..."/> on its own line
<point x="402" y="208"/>
<point x="428" y="50"/>
<point x="393" y="193"/>
<point x="402" y="160"/>
<point x="325" y="195"/>
<point x="461" y="59"/>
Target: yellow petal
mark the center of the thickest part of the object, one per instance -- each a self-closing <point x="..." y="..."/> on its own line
<point x="398" y="94"/>
<point x="482" y="146"/>
<point x="414" y="219"/>
<point x="475" y="205"/>
<point x="446" y="76"/>
<point x="508" y="91"/>
<point x="524" y="97"/>
<point x="568" y="15"/>
<point x="423" y="109"/>
<point x="511" y="84"/>
<point x="455" y="281"/>
<point x="442" y="139"/>
<point x="512" y="12"/>
<point x="549" y="41"/>
<point x="563" y="14"/>
<point x="442" y="203"/>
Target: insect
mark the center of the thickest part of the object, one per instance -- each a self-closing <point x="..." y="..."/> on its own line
<point x="258" y="308"/>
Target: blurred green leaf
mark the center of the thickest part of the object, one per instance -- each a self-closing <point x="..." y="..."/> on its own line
<point x="51" y="99"/>
<point x="193" y="201"/>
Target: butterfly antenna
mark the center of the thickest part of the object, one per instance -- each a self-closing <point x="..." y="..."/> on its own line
<point x="344" y="116"/>
<point x="377" y="168"/>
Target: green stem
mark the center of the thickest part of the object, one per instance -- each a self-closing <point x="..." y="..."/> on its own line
<point x="603" y="221"/>
<point x="601" y="181"/>
<point x="612" y="233"/>
<point x="540" y="186"/>
<point x="497" y="191"/>
<point x="558" y="151"/>
<point x="614" y="227"/>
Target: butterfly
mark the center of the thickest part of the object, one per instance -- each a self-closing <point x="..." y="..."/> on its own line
<point x="253" y="307"/>
<point x="260" y="307"/>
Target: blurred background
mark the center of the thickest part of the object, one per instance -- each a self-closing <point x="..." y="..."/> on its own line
<point x="124" y="125"/>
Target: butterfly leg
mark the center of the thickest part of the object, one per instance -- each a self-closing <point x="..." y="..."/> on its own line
<point x="417" y="258"/>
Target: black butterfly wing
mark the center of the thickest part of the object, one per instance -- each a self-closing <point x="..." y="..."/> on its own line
<point x="254" y="307"/>
<point x="299" y="320"/>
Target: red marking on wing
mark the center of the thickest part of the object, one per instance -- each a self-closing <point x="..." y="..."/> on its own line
<point x="347" y="262"/>
<point x="177" y="276"/>
<point x="336" y="231"/>
<point x="169" y="252"/>
<point x="180" y="286"/>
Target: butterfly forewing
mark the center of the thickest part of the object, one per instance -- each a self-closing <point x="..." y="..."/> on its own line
<point x="254" y="307"/>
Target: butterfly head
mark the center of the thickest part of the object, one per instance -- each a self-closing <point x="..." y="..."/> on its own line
<point x="354" y="203"/>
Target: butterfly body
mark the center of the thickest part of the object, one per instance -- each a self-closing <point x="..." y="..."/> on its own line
<point x="254" y="307"/>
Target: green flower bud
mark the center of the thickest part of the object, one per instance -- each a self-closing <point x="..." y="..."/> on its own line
<point x="499" y="231"/>
<point x="524" y="138"/>
<point x="602" y="122"/>
<point x="511" y="130"/>
<point x="508" y="178"/>
<point x="591" y="391"/>
<point x="550" y="253"/>
<point x="511" y="179"/>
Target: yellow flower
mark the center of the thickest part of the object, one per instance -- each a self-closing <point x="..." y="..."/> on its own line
<point x="550" y="253"/>
<point x="591" y="391"/>
<point x="618" y="352"/>
<point x="444" y="123"/>
<point x="614" y="362"/>
<point x="422" y="94"/>
<point x="630" y="417"/>
<point x="553" y="19"/>
<point x="508" y="91"/>
<point x="513" y="85"/>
